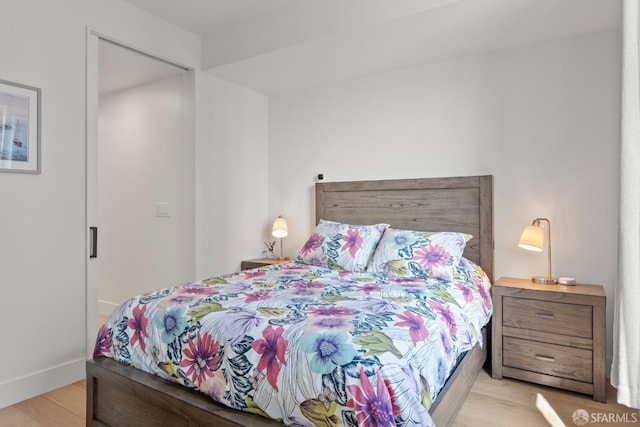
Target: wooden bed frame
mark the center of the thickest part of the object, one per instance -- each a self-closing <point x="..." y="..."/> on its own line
<point x="122" y="395"/>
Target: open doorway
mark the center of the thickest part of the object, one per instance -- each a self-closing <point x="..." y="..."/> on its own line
<point x="140" y="176"/>
<point x="145" y="176"/>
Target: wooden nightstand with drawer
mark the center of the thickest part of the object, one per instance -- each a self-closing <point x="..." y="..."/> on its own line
<point x="550" y="334"/>
<point x="261" y="262"/>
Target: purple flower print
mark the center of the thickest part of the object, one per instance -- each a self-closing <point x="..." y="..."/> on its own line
<point x="373" y="407"/>
<point x="433" y="256"/>
<point x="466" y="292"/>
<point x="486" y="299"/>
<point x="324" y="323"/>
<point x="312" y="244"/>
<point x="238" y="322"/>
<point x="330" y="310"/>
<point x="445" y="314"/>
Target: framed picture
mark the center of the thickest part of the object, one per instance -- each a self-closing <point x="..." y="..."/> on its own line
<point x="19" y="128"/>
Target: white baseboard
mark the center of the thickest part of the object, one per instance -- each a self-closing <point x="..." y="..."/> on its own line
<point x="105" y="308"/>
<point x="19" y="389"/>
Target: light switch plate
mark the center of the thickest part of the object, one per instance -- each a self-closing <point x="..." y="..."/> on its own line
<point x="163" y="210"/>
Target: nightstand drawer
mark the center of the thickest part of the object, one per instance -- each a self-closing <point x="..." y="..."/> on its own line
<point x="545" y="316"/>
<point x="550" y="359"/>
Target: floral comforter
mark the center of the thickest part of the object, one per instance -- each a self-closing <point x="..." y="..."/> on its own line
<point x="307" y="345"/>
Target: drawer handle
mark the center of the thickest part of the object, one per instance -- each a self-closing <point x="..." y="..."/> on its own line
<point x="545" y="358"/>
<point x="549" y="316"/>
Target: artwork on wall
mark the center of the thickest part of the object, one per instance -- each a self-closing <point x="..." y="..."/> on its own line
<point x="19" y="128"/>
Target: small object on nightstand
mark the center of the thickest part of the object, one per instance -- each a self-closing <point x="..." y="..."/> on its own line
<point x="550" y="335"/>
<point x="269" y="251"/>
<point x="566" y="281"/>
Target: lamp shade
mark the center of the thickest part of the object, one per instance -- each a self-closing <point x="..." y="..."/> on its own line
<point x="532" y="238"/>
<point x="280" y="228"/>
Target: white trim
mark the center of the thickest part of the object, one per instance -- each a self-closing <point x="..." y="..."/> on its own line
<point x="91" y="188"/>
<point x="136" y="48"/>
<point x="34" y="384"/>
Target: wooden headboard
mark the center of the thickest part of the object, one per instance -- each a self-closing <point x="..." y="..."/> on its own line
<point x="463" y="204"/>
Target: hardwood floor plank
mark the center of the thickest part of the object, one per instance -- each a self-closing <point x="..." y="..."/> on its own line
<point x="12" y="417"/>
<point x="73" y="398"/>
<point x="491" y="403"/>
<point x="45" y="412"/>
<point x="513" y="403"/>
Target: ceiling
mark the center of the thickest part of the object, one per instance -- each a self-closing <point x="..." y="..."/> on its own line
<point x="204" y="16"/>
<point x="122" y="68"/>
<point x="277" y="45"/>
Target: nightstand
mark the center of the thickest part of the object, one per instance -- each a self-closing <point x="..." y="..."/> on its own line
<point x="261" y="262"/>
<point x="550" y="334"/>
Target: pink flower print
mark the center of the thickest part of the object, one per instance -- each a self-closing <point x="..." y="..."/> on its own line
<point x="353" y="242"/>
<point x="251" y="274"/>
<point x="486" y="299"/>
<point x="312" y="244"/>
<point x="373" y="407"/>
<point x="139" y="325"/>
<point x="417" y="331"/>
<point x="257" y="296"/>
<point x="445" y="314"/>
<point x="466" y="292"/>
<point x="103" y="343"/>
<point x="432" y="256"/>
<point x="272" y="348"/>
<point x="194" y="290"/>
<point x="367" y="288"/>
<point x="202" y="358"/>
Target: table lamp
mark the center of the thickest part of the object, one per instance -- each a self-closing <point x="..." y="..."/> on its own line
<point x="532" y="239"/>
<point x="280" y="230"/>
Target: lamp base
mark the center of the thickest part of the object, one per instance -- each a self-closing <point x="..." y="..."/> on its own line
<point x="544" y="280"/>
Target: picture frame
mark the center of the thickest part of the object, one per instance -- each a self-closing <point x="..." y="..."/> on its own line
<point x="19" y="128"/>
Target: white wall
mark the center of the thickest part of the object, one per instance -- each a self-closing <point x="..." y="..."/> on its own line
<point x="146" y="156"/>
<point x="543" y="119"/>
<point x="42" y="244"/>
<point x="231" y="175"/>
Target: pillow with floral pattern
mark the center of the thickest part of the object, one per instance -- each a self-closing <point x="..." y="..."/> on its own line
<point x="407" y="253"/>
<point x="341" y="246"/>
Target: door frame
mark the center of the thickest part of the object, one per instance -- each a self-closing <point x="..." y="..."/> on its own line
<point x="91" y="183"/>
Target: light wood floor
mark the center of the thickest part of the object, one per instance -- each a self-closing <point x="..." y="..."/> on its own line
<point x="490" y="403"/>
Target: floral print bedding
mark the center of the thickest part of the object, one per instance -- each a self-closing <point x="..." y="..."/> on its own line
<point x="307" y="345"/>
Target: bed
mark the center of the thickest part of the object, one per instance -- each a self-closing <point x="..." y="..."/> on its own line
<point x="119" y="394"/>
